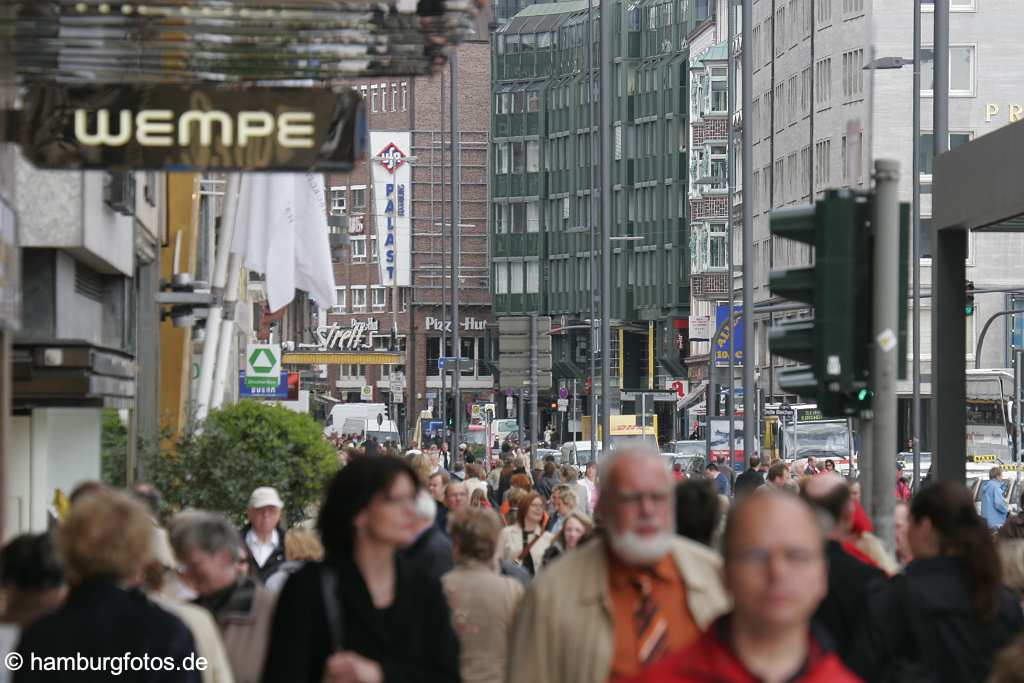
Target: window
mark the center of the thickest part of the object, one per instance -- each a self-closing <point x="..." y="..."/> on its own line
<point x="380" y="297"/>
<point x="961" y="70"/>
<point x="954" y="5"/>
<point x="358" y="252"/>
<point x="779" y="103"/>
<point x="822" y="161"/>
<point x="780" y="178"/>
<point x="515" y="277"/>
<point x="780" y="31"/>
<point x="793" y="108"/>
<point x="518" y="211"/>
<point x="383" y="97"/>
<point x="353" y="371"/>
<point x="805" y="170"/>
<point x="719" y="96"/>
<point x="405" y="96"/>
<point x="501" y="158"/>
<point x="853" y="73"/>
<point x="359" y="298"/>
<point x="823" y="82"/>
<point x="532" y="217"/>
<point x="518" y="157"/>
<point x="719" y="167"/>
<point x="718" y="258"/>
<point x="853" y="6"/>
<point x="501" y="218"/>
<point x="374" y="251"/>
<point x="359" y="198"/>
<point x="805" y="92"/>
<point x="532" y="277"/>
<point x="373" y="99"/>
<point x="339" y="300"/>
<point x="824" y="11"/>
<point x="339" y="201"/>
<point x="532" y="156"/>
<point x="532" y="102"/>
<point x="501" y="277"/>
<point x="926" y="150"/>
<point x="394" y="96"/>
<point x="403" y="298"/>
<point x="843" y="159"/>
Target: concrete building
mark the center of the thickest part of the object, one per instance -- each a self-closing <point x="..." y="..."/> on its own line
<point x="819" y="118"/>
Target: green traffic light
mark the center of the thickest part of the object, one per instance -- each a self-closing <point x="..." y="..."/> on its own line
<point x="863" y="394"/>
<point x="969" y="309"/>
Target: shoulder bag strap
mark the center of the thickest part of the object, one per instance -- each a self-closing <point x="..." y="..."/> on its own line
<point x="527" y="547"/>
<point x="332" y="605"/>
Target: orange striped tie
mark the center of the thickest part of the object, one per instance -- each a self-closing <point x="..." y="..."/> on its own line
<point x="651" y="626"/>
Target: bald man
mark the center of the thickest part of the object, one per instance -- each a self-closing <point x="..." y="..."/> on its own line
<point x="614" y="606"/>
<point x="775" y="569"/>
<point x="849" y="579"/>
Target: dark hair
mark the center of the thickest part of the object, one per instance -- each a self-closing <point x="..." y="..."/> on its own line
<point x="549" y="468"/>
<point x="30" y="562"/>
<point x="831" y="462"/>
<point x="351" y="491"/>
<point x="755" y="461"/>
<point x="84" y="489"/>
<point x="777" y="471"/>
<point x="964" y="535"/>
<point x="698" y="510"/>
<point x="834" y="502"/>
<point x="711" y="466"/>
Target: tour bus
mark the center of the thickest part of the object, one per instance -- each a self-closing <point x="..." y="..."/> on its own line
<point x="798" y="431"/>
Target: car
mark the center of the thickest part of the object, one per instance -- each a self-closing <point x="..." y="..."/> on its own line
<point x="579" y="453"/>
<point x="690" y="464"/>
<point x="690" y="448"/>
<point x="542" y="453"/>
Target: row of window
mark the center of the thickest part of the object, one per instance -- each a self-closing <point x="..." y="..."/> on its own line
<point x="517" y="217"/>
<point x="386" y="97"/>
<point x="515" y="157"/>
<point x="358" y="249"/>
<point x="516" y="276"/>
<point x="378" y="298"/>
<point x="345" y="198"/>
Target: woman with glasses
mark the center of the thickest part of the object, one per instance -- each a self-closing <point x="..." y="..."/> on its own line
<point x="364" y="615"/>
<point x="526" y="541"/>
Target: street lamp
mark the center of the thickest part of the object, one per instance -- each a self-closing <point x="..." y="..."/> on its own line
<point x="915" y="226"/>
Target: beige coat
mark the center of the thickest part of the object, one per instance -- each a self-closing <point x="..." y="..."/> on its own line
<point x="483" y="605"/>
<point x="511" y="546"/>
<point x="205" y="634"/>
<point x="564" y="631"/>
<point x="247" y="634"/>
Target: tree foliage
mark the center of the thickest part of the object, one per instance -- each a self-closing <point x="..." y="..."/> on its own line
<point x="113" y="449"/>
<point x="240" y="448"/>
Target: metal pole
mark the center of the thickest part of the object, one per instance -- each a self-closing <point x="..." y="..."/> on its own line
<point x="749" y="427"/>
<point x="606" y="68"/>
<point x="220" y="275"/>
<point x="916" y="230"/>
<point x="940" y="89"/>
<point x="534" y="362"/>
<point x="1018" y="358"/>
<point x="456" y="248"/>
<point x="730" y="400"/>
<point x="886" y="322"/>
<point x="593" y="231"/>
<point x="443" y="402"/>
<point x="227" y="331"/>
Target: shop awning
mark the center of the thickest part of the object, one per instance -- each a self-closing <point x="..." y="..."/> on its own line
<point x="692" y="397"/>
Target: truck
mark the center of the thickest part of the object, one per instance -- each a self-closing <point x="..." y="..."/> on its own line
<point x="626" y="429"/>
<point x="368" y="419"/>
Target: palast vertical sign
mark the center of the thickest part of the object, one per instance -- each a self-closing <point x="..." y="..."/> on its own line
<point x="391" y="177"/>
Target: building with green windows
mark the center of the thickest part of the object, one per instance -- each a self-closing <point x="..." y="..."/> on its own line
<point x="544" y="166"/>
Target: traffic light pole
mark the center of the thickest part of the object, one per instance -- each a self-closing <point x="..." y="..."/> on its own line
<point x="453" y="62"/>
<point x="747" y="182"/>
<point x="886" y="298"/>
<point x="534" y="363"/>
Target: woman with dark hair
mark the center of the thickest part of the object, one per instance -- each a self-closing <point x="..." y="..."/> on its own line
<point x="948" y="614"/>
<point x="364" y="615"/>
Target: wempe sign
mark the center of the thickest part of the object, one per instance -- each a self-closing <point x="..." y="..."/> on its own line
<point x="165" y="127"/>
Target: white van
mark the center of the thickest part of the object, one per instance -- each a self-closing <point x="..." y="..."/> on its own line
<point x="345" y="411"/>
<point x="387" y="430"/>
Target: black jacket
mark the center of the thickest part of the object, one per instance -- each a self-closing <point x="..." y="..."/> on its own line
<point x="99" y="619"/>
<point x="431" y="553"/>
<point x="748" y="482"/>
<point x="850" y="581"/>
<point x="275" y="560"/>
<point x="921" y="627"/>
<point x="412" y="640"/>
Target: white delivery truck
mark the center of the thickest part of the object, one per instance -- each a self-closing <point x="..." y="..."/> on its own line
<point x="367" y="419"/>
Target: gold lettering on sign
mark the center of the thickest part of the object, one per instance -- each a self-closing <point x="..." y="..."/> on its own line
<point x="991" y="110"/>
<point x="1015" y="112"/>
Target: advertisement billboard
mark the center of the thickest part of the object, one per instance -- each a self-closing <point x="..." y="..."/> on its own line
<point x="726" y="329"/>
<point x="392" y="197"/>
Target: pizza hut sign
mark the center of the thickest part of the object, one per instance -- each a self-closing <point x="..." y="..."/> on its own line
<point x="391" y="157"/>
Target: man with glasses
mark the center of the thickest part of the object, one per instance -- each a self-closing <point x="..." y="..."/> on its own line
<point x="775" y="570"/>
<point x="621" y="602"/>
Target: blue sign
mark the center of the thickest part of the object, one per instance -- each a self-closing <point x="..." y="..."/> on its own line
<point x="725" y="330"/>
<point x="278" y="392"/>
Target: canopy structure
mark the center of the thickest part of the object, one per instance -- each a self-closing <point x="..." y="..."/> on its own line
<point x="257" y="42"/>
<point x="976" y="188"/>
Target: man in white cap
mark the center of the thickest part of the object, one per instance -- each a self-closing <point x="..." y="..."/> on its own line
<point x="263" y="536"/>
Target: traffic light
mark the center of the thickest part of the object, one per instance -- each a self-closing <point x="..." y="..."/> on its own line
<point x="834" y="348"/>
<point x="969" y="298"/>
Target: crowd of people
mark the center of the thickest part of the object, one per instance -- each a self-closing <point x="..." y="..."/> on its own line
<point x="427" y="567"/>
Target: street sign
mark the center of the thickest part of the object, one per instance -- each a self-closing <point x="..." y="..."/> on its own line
<point x="262" y="365"/>
<point x="366" y="393"/>
<point x="563" y="404"/>
<point x="474" y="412"/>
<point x="563" y="393"/>
<point x="510" y="403"/>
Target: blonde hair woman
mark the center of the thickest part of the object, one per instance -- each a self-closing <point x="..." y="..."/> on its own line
<point x="300" y="546"/>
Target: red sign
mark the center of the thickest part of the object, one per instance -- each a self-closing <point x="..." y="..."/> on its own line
<point x="391" y="157"/>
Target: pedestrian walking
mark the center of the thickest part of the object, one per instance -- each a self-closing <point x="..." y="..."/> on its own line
<point x="775" y="570"/>
<point x="563" y="500"/>
<point x="945" y="618"/>
<point x="698" y="511"/>
<point x="526" y="541"/>
<point x="210" y="552"/>
<point x="588" y="483"/>
<point x="456" y="497"/>
<point x="620" y="602"/>
<point x="483" y="602"/>
<point x="751" y="479"/>
<point x="902" y="487"/>
<point x="850" y="580"/>
<point x="431" y="552"/>
<point x="264" y="535"/>
<point x="547" y="482"/>
<point x="475" y="480"/>
<point x="364" y="614"/>
<point x="575" y="528"/>
<point x="105" y="541"/>
<point x="718" y="478"/>
<point x="993" y="503"/>
<point x="300" y="546"/>
<point x="1013" y="527"/>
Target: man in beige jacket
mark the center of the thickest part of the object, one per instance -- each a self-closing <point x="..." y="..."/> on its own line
<point x="623" y="601"/>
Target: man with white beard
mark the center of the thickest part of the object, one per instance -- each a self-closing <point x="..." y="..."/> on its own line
<point x="621" y="602"/>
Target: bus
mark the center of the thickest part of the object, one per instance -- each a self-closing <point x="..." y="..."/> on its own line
<point x="798" y="431"/>
<point x="989" y="410"/>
